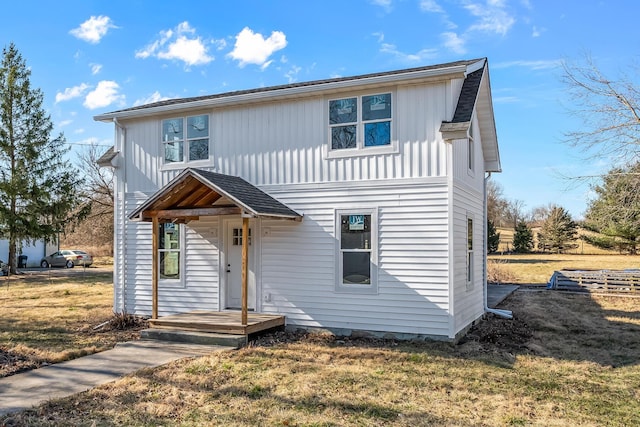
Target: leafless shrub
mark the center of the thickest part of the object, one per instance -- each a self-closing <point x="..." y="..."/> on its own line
<point x="125" y="321"/>
<point x="498" y="272"/>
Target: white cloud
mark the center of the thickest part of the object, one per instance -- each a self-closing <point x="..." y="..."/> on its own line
<point x="454" y="42"/>
<point x="419" y="56"/>
<point x="95" y="68"/>
<point x="292" y="74"/>
<point x="93" y="29"/>
<point x="64" y="123"/>
<point x="72" y="92"/>
<point x="537" y="32"/>
<point x="253" y="48"/>
<point x="385" y="4"/>
<point x="180" y="44"/>
<point x="493" y="17"/>
<point x="431" y="6"/>
<point x="105" y="94"/>
<point x="545" y="64"/>
<point x="154" y="97"/>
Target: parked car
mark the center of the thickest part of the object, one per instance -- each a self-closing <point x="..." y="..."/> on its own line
<point x="67" y="258"/>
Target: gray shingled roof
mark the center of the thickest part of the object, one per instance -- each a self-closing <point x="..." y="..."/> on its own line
<point x="248" y="196"/>
<point x="177" y="101"/>
<point x="209" y="187"/>
<point x="468" y="96"/>
<point x="105" y="159"/>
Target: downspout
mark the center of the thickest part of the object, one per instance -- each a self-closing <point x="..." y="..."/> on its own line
<point x="120" y="193"/>
<point x="507" y="314"/>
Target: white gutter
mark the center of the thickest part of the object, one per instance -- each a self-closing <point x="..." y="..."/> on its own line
<point x="507" y="314"/>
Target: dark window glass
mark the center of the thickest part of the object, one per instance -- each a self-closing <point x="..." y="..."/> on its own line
<point x="356" y="268"/>
<point x="376" y="107"/>
<point x="378" y="133"/>
<point x="343" y="137"/>
<point x="343" y="111"/>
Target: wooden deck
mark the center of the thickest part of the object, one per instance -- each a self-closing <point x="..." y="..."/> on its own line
<point x="223" y="322"/>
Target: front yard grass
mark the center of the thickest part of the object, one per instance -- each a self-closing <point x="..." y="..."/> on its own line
<point x="48" y="319"/>
<point x="565" y="359"/>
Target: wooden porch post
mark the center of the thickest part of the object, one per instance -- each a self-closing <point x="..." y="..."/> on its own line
<point x="154" y="267"/>
<point x="245" y="268"/>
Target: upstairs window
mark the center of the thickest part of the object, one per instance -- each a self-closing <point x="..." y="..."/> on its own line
<point x="360" y="122"/>
<point x="186" y="139"/>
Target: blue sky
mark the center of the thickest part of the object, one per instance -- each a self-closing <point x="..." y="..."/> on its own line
<point x="91" y="57"/>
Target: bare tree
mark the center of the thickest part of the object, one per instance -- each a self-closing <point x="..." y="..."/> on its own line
<point x="515" y="212"/>
<point x="98" y="181"/>
<point x="608" y="108"/>
<point x="96" y="191"/>
<point x="497" y="204"/>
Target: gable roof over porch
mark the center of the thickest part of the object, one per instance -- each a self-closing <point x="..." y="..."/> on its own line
<point x="197" y="192"/>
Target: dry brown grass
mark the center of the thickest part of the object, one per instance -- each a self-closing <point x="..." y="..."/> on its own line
<point x="565" y="360"/>
<point x="51" y="319"/>
<point x="538" y="268"/>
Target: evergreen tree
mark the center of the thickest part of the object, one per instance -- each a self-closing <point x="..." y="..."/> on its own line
<point x="558" y="231"/>
<point x="493" y="238"/>
<point x="37" y="185"/>
<point x="615" y="212"/>
<point x="522" y="238"/>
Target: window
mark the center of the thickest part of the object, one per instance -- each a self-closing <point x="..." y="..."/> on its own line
<point x="360" y="122"/>
<point x="169" y="251"/>
<point x="186" y="139"/>
<point x="469" y="251"/>
<point x="357" y="251"/>
<point x="237" y="237"/>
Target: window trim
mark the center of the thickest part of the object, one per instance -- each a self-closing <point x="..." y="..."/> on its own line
<point x="471" y="150"/>
<point x="470" y="252"/>
<point x="353" y="288"/>
<point x="185" y="141"/>
<point x="360" y="149"/>
<point x="180" y="282"/>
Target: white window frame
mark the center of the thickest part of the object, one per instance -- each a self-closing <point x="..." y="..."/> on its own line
<point x="360" y="149"/>
<point x="185" y="141"/>
<point x="470" y="244"/>
<point x="372" y="287"/>
<point x="179" y="282"/>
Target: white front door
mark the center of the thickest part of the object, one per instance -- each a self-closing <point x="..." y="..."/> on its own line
<point x="233" y="250"/>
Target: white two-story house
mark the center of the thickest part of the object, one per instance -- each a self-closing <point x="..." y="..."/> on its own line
<point x="363" y="199"/>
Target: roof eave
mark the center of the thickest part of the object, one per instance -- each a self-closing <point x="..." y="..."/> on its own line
<point x="451" y="72"/>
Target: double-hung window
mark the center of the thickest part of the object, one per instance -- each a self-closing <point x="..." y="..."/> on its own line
<point x="169" y="248"/>
<point x="360" y="122"/>
<point x="185" y="139"/>
<point x="357" y="251"/>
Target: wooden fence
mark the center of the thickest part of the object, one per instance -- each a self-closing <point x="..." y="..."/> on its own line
<point x="615" y="281"/>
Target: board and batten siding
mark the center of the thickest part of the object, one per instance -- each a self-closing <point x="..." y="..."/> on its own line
<point x="199" y="289"/>
<point x="286" y="142"/>
<point x="298" y="261"/>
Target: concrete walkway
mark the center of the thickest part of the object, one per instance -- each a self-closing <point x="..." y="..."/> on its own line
<point x="23" y="391"/>
<point x="497" y="293"/>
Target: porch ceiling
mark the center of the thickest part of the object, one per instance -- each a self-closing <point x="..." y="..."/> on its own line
<point x="196" y="192"/>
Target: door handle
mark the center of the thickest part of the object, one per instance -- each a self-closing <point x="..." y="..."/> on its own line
<point x="228" y="268"/>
